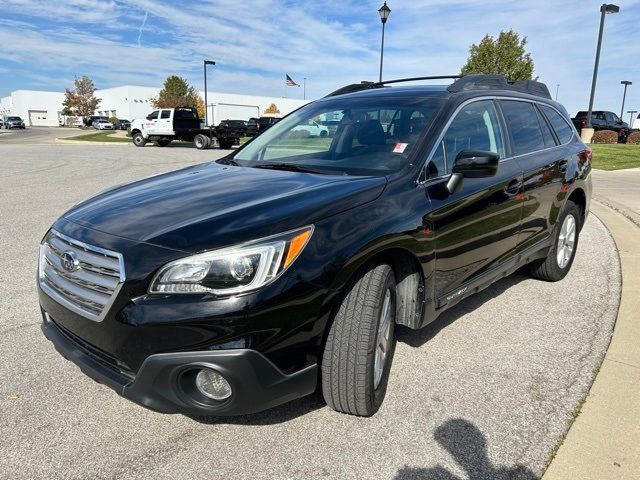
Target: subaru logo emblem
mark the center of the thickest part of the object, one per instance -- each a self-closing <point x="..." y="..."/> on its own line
<point x="69" y="261"/>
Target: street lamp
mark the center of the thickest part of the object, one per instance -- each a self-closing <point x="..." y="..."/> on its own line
<point x="384" y="12"/>
<point x="631" y="114"/>
<point x="626" y="83"/>
<point x="206" y="107"/>
<point x="605" y="9"/>
<point x="304" y="88"/>
<point x="557" y="89"/>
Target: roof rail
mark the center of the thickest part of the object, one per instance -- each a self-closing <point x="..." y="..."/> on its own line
<point x="461" y="84"/>
<point x="532" y="87"/>
<point x="486" y="82"/>
<point x="478" y="82"/>
<point x="364" y="85"/>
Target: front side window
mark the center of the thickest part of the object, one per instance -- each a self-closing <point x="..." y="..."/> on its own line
<point x="372" y="135"/>
<point x="153" y="115"/>
<point x="475" y="127"/>
<point x="523" y="122"/>
<point x="166" y="114"/>
<point x="559" y="124"/>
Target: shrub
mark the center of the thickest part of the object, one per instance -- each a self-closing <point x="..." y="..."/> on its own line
<point x="113" y="120"/>
<point x="605" y="136"/>
<point x="634" y="138"/>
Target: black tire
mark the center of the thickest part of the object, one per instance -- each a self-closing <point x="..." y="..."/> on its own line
<point x="348" y="362"/>
<point x="139" y="140"/>
<point x="162" y="143"/>
<point x="550" y="268"/>
<point x="201" y="142"/>
<point x="226" y="144"/>
<point x="323" y="133"/>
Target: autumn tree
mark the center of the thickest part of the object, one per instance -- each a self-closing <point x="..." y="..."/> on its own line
<point x="81" y="100"/>
<point x="176" y="92"/>
<point x="505" y="56"/>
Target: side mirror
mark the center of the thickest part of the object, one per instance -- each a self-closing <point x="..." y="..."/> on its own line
<point x="148" y="117"/>
<point x="472" y="164"/>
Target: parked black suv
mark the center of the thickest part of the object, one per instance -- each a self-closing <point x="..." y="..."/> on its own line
<point x="603" y="120"/>
<point x="122" y="124"/>
<point x="259" y="125"/>
<point x="238" y="127"/>
<point x="236" y="285"/>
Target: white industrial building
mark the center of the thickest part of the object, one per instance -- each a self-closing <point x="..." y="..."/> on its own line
<point x="130" y="102"/>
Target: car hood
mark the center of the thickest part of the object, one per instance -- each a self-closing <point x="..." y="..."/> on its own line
<point x="211" y="205"/>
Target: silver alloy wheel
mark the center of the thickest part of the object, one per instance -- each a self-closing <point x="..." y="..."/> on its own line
<point x="138" y="139"/>
<point x="383" y="339"/>
<point x="566" y="241"/>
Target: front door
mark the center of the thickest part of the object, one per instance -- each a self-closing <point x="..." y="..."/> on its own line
<point x="475" y="229"/>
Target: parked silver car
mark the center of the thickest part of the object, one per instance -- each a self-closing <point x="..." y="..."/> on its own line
<point x="103" y="125"/>
<point x="14" y="122"/>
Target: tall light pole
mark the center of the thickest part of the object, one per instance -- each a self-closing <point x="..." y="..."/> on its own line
<point x="631" y="114"/>
<point x="206" y="106"/>
<point x="384" y="12"/>
<point x="304" y="88"/>
<point x="626" y="83"/>
<point x="605" y="9"/>
<point x="557" y="89"/>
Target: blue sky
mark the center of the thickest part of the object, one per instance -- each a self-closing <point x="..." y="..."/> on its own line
<point x="331" y="42"/>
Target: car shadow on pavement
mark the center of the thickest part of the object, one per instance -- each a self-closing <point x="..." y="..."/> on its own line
<point x="417" y="338"/>
<point x="468" y="447"/>
<point x="273" y="416"/>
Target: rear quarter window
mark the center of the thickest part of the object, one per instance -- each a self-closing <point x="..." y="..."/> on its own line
<point x="523" y="123"/>
<point x="563" y="130"/>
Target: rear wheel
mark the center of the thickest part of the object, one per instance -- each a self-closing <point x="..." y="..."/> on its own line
<point x="201" y="142"/>
<point x="360" y="345"/>
<point x="162" y="143"/>
<point x="226" y="144"/>
<point x="561" y="254"/>
<point x="139" y="140"/>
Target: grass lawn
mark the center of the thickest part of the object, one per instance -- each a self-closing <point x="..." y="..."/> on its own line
<point x="615" y="157"/>
<point x="101" y="136"/>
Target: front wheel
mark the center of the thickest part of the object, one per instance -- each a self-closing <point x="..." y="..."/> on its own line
<point x="139" y="140"/>
<point x="360" y="345"/>
<point x="563" y="251"/>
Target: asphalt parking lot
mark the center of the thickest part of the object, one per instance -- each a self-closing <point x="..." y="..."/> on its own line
<point x="486" y="391"/>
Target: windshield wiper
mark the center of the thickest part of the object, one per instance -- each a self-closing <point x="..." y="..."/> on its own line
<point x="291" y="168"/>
<point x="227" y="161"/>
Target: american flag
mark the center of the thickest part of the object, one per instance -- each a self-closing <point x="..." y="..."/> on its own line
<point x="290" y="82"/>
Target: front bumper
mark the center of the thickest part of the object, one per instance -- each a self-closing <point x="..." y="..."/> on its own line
<point x="164" y="382"/>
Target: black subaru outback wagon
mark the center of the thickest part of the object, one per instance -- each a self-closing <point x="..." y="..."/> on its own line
<point x="237" y="285"/>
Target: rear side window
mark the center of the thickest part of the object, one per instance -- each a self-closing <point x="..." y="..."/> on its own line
<point x="549" y="141"/>
<point x="475" y="127"/>
<point x="560" y="125"/>
<point x="525" y="129"/>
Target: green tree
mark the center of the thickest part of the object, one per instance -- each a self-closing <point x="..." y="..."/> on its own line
<point x="505" y="56"/>
<point x="81" y="100"/>
<point x="176" y="92"/>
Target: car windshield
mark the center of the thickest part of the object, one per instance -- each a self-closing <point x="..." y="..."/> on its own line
<point x="368" y="136"/>
<point x="14" y="119"/>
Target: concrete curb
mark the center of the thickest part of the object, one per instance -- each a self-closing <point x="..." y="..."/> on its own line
<point x="603" y="442"/>
<point x="84" y="142"/>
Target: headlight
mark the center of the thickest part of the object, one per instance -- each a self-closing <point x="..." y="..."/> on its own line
<point x="234" y="269"/>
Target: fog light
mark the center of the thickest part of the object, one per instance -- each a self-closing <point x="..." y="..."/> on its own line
<point x="213" y="385"/>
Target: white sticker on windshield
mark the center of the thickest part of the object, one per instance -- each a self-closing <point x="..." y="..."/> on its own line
<point x="400" y="147"/>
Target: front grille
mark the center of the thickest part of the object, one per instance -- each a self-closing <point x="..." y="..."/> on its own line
<point x="83" y="278"/>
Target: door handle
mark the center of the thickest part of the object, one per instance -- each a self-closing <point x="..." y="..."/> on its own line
<point x="513" y="187"/>
<point x="562" y="165"/>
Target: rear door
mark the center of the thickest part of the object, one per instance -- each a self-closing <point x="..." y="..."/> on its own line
<point x="165" y="122"/>
<point x="475" y="229"/>
<point x="534" y="146"/>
